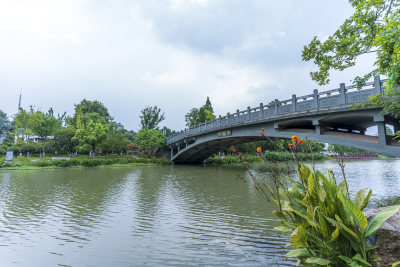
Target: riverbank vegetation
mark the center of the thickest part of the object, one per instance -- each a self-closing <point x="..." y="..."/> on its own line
<point x="91" y="130"/>
<point x="326" y="226"/>
<point x="80" y="161"/>
<point x="272" y="156"/>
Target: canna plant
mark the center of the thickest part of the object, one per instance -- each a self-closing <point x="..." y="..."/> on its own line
<point x="326" y="226"/>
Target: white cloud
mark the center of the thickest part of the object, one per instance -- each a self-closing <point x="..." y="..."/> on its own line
<point x="131" y="54"/>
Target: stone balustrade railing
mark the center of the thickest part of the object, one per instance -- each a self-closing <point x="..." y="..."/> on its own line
<point x="336" y="98"/>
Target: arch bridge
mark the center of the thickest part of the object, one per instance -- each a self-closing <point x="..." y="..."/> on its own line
<point x="327" y="116"/>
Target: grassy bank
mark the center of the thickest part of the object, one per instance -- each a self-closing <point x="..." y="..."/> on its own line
<point x="80" y="160"/>
<point x="276" y="156"/>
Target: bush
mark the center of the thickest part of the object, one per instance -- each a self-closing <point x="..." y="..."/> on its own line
<point x="95" y="162"/>
<point x="10" y="164"/>
<point x="66" y="163"/>
<point x="42" y="163"/>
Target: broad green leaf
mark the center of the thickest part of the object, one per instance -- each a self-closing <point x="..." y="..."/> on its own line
<point x="322" y="225"/>
<point x="360" y="259"/>
<point x="395" y="263"/>
<point x="377" y="221"/>
<point x="348" y="230"/>
<point x="335" y="234"/>
<point x="359" y="198"/>
<point x="346" y="259"/>
<point x="299" y="237"/>
<point x="357" y="214"/>
<point x="366" y="200"/>
<point x="319" y="261"/>
<point x="300" y="252"/>
<point x="310" y="183"/>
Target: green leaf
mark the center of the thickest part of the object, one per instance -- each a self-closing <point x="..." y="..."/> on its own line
<point x="319" y="261"/>
<point x="352" y="209"/>
<point x="348" y="230"/>
<point x="335" y="234"/>
<point x="346" y="259"/>
<point x="299" y="237"/>
<point x="359" y="198"/>
<point x="283" y="228"/>
<point x="395" y="263"/>
<point x="360" y="259"/>
<point x="366" y="200"/>
<point x="322" y="225"/>
<point x="296" y="253"/>
<point x="377" y="221"/>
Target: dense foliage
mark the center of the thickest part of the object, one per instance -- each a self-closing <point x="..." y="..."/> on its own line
<point x="151" y="117"/>
<point x="373" y="28"/>
<point x="89" y="130"/>
<point x="200" y="115"/>
<point x="326" y="226"/>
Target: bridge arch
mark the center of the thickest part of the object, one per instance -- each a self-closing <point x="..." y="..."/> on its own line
<point x="324" y="117"/>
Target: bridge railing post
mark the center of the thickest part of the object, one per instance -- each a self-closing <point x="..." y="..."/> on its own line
<point x="294" y="103"/>
<point x="219" y="120"/>
<point x="227" y="117"/>
<point x="248" y="113"/>
<point x="261" y="110"/>
<point x="237" y="115"/>
<point x="342" y="91"/>
<point x="276" y="105"/>
<point x="316" y="99"/>
<point x="377" y="84"/>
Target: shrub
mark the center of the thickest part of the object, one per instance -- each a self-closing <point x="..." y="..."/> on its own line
<point x="95" y="162"/>
<point x="43" y="163"/>
<point x="66" y="163"/>
<point x="10" y="164"/>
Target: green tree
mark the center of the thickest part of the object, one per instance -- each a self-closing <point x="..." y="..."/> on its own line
<point x="341" y="150"/>
<point x="129" y="134"/>
<point x="116" y="141"/>
<point x="63" y="140"/>
<point x="88" y="139"/>
<point x="168" y="132"/>
<point x="87" y="111"/>
<point x="150" y="139"/>
<point x="200" y="115"/>
<point x="373" y="28"/>
<point x="151" y="117"/>
<point x="5" y="124"/>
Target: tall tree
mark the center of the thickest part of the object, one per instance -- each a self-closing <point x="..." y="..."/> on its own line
<point x="149" y="139"/>
<point x="87" y="111"/>
<point x="373" y="28"/>
<point x="151" y="117"/>
<point x="89" y="139"/>
<point x="200" y="115"/>
<point x="5" y="124"/>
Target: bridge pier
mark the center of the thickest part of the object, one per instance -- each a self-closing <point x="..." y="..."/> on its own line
<point x="382" y="133"/>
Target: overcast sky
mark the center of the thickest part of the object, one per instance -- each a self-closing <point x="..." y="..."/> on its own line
<point x="169" y="53"/>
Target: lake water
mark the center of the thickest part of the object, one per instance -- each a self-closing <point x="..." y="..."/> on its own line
<point x="154" y="216"/>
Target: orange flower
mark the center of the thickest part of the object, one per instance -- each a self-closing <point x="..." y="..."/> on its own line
<point x="301" y="141"/>
<point x="259" y="150"/>
<point x="295" y="138"/>
<point x="262" y="129"/>
<point x="291" y="145"/>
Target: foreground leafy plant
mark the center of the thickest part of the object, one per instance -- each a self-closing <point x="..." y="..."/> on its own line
<point x="326" y="227"/>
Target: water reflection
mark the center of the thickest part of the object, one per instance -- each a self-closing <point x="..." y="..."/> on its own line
<point x="164" y="216"/>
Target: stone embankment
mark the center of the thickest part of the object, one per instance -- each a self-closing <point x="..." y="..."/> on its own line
<point x="387" y="238"/>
